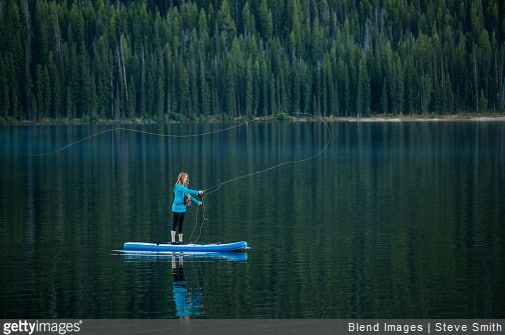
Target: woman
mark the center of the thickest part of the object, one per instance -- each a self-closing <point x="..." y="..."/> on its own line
<point x="182" y="199"/>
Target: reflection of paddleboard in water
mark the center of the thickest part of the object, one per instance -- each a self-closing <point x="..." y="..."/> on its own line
<point x="155" y="256"/>
<point x="187" y="302"/>
<point x="191" y="247"/>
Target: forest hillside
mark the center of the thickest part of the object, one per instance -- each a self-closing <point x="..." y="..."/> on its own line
<point x="183" y="60"/>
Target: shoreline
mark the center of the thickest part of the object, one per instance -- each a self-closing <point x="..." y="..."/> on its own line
<point x="448" y="118"/>
<point x="477" y="117"/>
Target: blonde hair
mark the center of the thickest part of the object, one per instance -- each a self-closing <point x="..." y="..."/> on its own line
<point x="180" y="179"/>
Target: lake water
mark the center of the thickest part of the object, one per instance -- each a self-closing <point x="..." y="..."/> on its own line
<point x="391" y="220"/>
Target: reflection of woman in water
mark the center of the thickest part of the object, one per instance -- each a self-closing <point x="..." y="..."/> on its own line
<point x="187" y="303"/>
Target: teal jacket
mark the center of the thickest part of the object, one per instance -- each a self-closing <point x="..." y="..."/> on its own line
<point x="180" y="192"/>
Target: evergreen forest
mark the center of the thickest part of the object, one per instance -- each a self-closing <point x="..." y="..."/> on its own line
<point x="188" y="60"/>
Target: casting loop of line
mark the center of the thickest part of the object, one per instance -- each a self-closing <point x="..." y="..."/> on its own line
<point x="218" y="186"/>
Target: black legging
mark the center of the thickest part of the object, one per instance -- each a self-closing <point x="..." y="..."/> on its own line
<point x="178" y="222"/>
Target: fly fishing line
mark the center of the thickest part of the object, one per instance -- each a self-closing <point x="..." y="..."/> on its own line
<point x="214" y="188"/>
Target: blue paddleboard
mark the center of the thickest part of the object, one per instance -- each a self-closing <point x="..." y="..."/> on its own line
<point x="191" y="247"/>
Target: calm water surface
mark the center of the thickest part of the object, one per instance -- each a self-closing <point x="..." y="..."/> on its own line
<point x="393" y="220"/>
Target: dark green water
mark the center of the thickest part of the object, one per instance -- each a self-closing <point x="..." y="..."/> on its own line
<point x="393" y="220"/>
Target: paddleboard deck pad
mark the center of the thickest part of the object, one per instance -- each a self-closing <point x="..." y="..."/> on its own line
<point x="190" y="247"/>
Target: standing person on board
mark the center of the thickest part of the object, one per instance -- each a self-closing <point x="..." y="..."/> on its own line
<point x="182" y="199"/>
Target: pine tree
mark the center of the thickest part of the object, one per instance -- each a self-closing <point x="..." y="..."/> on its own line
<point x="14" y="60"/>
